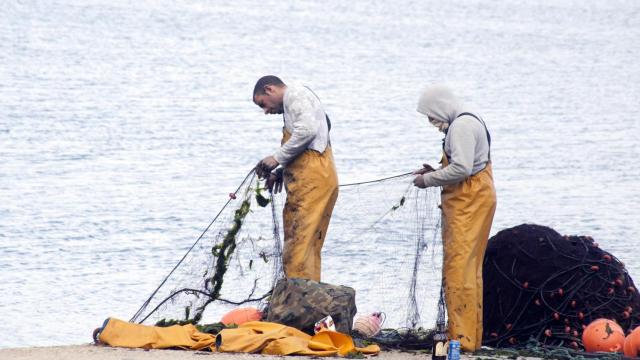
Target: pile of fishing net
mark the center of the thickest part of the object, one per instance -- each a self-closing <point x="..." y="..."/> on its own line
<point x="380" y="235"/>
<point x="543" y="287"/>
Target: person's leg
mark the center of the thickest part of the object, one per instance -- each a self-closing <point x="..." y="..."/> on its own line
<point x="312" y="190"/>
<point x="486" y="208"/>
<point x="460" y="283"/>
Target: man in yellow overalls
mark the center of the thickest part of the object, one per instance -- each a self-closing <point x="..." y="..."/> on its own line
<point x="306" y="168"/>
<point x="468" y="205"/>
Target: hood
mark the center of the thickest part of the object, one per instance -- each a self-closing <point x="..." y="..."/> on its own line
<point x="439" y="103"/>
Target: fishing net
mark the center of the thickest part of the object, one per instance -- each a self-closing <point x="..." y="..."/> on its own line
<point x="540" y="288"/>
<point x="544" y="287"/>
<point x="386" y="232"/>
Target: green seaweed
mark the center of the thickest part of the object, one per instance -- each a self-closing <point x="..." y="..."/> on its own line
<point x="222" y="252"/>
<point x="401" y="203"/>
<point x="171" y="322"/>
<point x="261" y="199"/>
<point x="214" y="328"/>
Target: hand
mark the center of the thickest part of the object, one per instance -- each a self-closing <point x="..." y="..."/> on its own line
<point x="264" y="167"/>
<point x="275" y="181"/>
<point x="425" y="169"/>
<point x="419" y="182"/>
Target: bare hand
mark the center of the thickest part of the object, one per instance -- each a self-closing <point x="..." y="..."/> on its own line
<point x="418" y="181"/>
<point x="426" y="168"/>
<point x="264" y="167"/>
<point x="275" y="181"/>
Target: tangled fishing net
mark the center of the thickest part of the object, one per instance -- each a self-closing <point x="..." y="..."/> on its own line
<point x="383" y="227"/>
<point x="542" y="286"/>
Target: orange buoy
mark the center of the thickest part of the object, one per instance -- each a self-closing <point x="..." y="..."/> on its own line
<point x="603" y="335"/>
<point x="632" y="343"/>
<point x="240" y="316"/>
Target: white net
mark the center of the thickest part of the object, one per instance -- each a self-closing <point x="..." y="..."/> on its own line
<point x="387" y="227"/>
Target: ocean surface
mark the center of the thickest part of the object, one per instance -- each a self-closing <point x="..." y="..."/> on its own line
<point x="124" y="125"/>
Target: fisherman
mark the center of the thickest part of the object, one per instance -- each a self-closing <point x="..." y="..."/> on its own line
<point x="468" y="204"/>
<point x="304" y="162"/>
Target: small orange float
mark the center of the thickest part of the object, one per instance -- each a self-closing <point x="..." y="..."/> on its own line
<point x="603" y="335"/>
<point x="240" y="316"/>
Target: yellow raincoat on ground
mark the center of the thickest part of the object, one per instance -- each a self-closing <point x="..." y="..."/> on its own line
<point x="252" y="337"/>
<point x="311" y="182"/>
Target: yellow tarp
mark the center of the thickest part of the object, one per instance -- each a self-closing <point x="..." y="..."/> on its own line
<point x="125" y="334"/>
<point x="252" y="337"/>
<point x="276" y="339"/>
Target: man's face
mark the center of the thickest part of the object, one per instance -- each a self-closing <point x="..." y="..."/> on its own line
<point x="441" y="125"/>
<point x="270" y="101"/>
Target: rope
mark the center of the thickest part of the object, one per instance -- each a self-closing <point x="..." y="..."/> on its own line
<point x="377" y="180"/>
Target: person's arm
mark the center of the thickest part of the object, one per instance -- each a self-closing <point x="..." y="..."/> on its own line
<point x="462" y="143"/>
<point x="304" y="129"/>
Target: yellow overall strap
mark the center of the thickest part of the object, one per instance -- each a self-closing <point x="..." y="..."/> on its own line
<point x="311" y="182"/>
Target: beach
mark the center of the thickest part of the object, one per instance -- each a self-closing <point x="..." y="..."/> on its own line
<point x="93" y="352"/>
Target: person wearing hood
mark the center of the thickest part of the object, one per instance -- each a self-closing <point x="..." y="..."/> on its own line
<point x="468" y="204"/>
<point x="304" y="163"/>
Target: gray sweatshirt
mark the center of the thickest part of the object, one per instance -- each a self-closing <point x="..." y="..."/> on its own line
<point x="304" y="118"/>
<point x="466" y="144"/>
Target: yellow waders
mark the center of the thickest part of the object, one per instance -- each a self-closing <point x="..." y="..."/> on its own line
<point x="467" y="214"/>
<point x="311" y="182"/>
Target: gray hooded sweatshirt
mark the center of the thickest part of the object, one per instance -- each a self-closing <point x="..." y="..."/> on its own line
<point x="466" y="143"/>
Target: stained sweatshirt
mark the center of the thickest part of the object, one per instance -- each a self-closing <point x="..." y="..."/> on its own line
<point x="304" y="118"/>
<point x="466" y="144"/>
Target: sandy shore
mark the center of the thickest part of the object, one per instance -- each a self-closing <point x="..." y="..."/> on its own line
<point x="92" y="352"/>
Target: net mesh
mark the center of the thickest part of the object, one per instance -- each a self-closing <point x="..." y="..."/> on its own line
<point x="386" y="230"/>
<point x="547" y="287"/>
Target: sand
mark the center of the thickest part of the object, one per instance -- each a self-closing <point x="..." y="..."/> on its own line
<point x="92" y="352"/>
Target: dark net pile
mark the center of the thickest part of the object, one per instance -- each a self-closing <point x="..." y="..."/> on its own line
<point x="542" y="286"/>
<point x="385" y="234"/>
